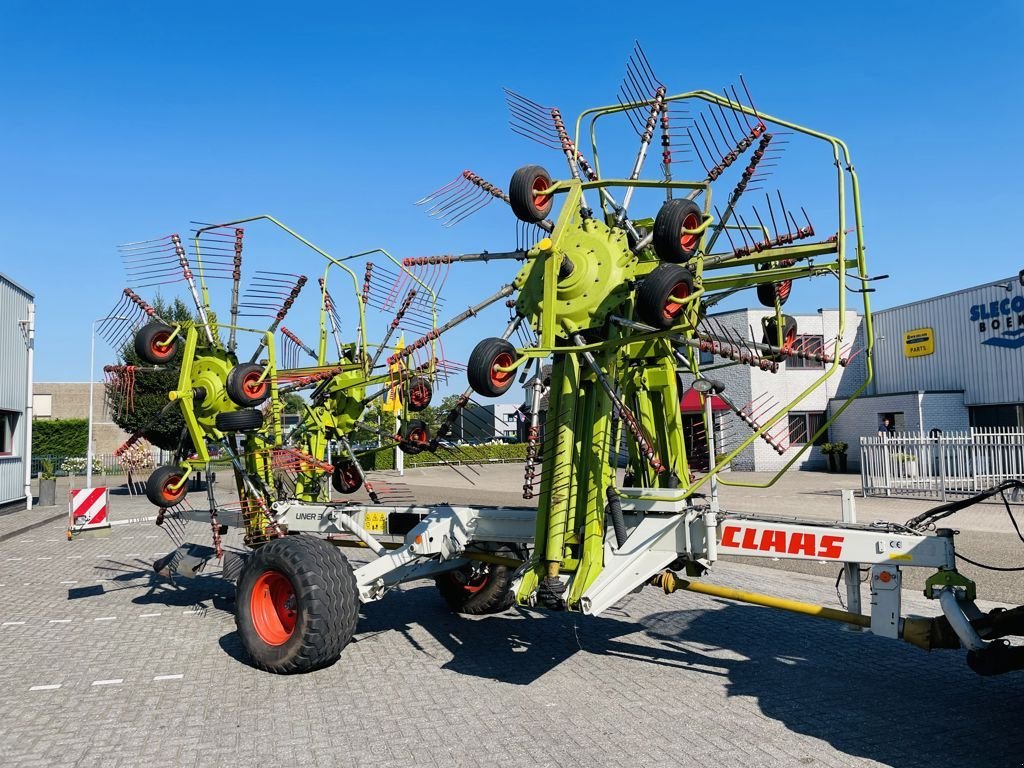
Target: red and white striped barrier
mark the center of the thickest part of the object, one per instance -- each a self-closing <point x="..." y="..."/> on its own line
<point x="87" y="509"/>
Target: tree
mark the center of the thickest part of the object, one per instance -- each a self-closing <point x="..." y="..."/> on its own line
<point x="151" y="386"/>
<point x="293" y="403"/>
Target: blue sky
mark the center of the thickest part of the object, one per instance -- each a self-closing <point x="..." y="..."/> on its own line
<point x="122" y="121"/>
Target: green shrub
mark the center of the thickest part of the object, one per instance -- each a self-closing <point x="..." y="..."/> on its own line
<point x="60" y="437"/>
<point x="475" y="454"/>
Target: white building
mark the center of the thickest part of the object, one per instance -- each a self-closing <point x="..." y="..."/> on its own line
<point x="761" y="393"/>
<point x="16" y="310"/>
<point x="483" y="423"/>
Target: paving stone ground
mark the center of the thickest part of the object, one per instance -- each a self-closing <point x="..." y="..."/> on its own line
<point x="103" y="664"/>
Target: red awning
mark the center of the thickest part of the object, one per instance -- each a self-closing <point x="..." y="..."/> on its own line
<point x="692" y="403"/>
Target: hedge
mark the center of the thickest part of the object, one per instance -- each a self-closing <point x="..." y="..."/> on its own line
<point x="467" y="454"/>
<point x="60" y="437"/>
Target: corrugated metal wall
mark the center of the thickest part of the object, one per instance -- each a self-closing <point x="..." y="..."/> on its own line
<point x="979" y="345"/>
<point x="14" y="303"/>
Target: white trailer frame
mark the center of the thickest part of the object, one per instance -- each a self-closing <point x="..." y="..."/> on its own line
<point x="665" y="529"/>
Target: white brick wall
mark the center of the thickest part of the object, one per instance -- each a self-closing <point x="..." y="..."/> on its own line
<point x="944" y="410"/>
<point x="774" y="390"/>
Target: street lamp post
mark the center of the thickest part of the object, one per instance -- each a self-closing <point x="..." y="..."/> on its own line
<point x="92" y="370"/>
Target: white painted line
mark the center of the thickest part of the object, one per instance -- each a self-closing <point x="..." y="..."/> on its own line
<point x="150" y="536"/>
<point x="148" y="615"/>
<point x="115" y="681"/>
<point x="27" y="541"/>
<point x="104" y="555"/>
<point x="191" y="612"/>
<point x="11" y="623"/>
<point x="134" y="554"/>
<point x="74" y="557"/>
<point x="168" y="677"/>
<point x="63" y="582"/>
<point x="160" y="554"/>
<point x="59" y="621"/>
<point x="52" y="539"/>
<point x="106" y="618"/>
<point x="127" y="538"/>
<point x="44" y="558"/>
<point x="13" y="559"/>
<point x="53" y="687"/>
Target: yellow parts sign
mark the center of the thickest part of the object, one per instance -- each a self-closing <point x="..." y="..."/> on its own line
<point x="393" y="403"/>
<point x="919" y="342"/>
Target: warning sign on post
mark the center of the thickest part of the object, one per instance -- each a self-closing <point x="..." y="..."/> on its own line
<point x="87" y="509"/>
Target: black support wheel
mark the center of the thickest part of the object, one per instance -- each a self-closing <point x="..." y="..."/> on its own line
<point x="162" y="486"/>
<point x="246" y="385"/>
<point x="674" y="239"/>
<point x="297" y="605"/>
<point x="153" y="343"/>
<point x="420" y="393"/>
<point x="784" y="341"/>
<point x="346" y="477"/>
<point x="525" y="194"/>
<point x="415" y="437"/>
<point x="479" y="588"/>
<point x="245" y="420"/>
<point x="482" y="370"/>
<point x="654" y="297"/>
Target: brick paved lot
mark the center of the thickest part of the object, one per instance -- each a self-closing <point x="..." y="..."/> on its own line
<point x="104" y="665"/>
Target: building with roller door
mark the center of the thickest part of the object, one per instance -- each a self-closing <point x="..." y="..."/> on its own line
<point x="17" y="331"/>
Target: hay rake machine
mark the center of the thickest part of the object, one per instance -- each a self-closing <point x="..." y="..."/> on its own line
<point x="611" y="304"/>
<point x="233" y="405"/>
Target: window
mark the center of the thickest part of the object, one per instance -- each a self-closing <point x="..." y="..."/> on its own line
<point x="812" y="345"/>
<point x="511" y="418"/>
<point x="8" y="423"/>
<point x="42" y="406"/>
<point x="803" y="425"/>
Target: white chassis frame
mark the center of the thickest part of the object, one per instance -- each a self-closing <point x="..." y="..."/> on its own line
<point x="663" y="526"/>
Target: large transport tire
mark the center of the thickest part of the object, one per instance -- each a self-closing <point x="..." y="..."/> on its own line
<point x="245" y="420"/>
<point x="346" y="478"/>
<point x="524" y="194"/>
<point x="420" y="393"/>
<point x="158" y="486"/>
<point x="246" y="385"/>
<point x="670" y="242"/>
<point x="297" y="605"/>
<point x="479" y="588"/>
<point x="653" y="303"/>
<point x="481" y="373"/>
<point x="416" y="437"/>
<point x="149" y="341"/>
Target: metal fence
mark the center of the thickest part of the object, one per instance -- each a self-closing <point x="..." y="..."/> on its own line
<point x="105" y="463"/>
<point x="951" y="464"/>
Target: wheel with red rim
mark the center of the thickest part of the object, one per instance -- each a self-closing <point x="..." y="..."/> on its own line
<point x="161" y="487"/>
<point x="346" y="477"/>
<point x="420" y="393"/>
<point x="479" y="588"/>
<point x="783" y="341"/>
<point x="297" y="605"/>
<point x="768" y="293"/>
<point x="484" y="368"/>
<point x="525" y="194"/>
<point x="674" y="238"/>
<point x="247" y="385"/>
<point x="415" y="437"/>
<point x="153" y="343"/>
<point x="658" y="297"/>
